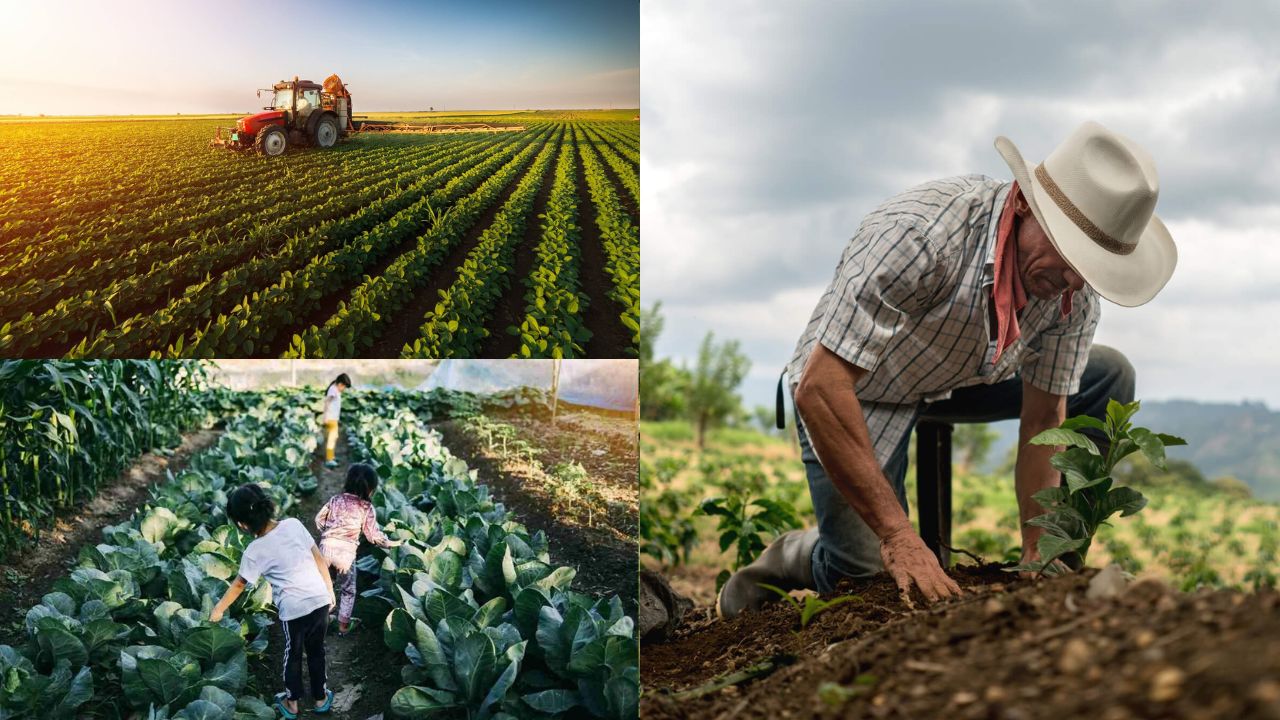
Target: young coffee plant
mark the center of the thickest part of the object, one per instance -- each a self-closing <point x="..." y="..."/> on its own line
<point x="742" y="522"/>
<point x="1075" y="511"/>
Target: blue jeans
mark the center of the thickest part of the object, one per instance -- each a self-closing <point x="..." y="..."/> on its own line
<point x="847" y="547"/>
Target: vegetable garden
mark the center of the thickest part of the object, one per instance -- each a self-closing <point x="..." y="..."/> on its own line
<point x="129" y="239"/>
<point x="470" y="617"/>
<point x="1189" y="637"/>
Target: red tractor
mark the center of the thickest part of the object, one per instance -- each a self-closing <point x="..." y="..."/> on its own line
<point x="301" y="113"/>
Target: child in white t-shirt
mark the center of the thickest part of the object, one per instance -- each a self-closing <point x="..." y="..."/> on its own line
<point x="332" y="408"/>
<point x="286" y="555"/>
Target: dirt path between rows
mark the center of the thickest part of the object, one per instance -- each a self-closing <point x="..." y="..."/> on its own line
<point x="33" y="571"/>
<point x="605" y="556"/>
<point x="362" y="672"/>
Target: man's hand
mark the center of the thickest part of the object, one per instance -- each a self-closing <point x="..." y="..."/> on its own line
<point x="215" y="615"/>
<point x="910" y="562"/>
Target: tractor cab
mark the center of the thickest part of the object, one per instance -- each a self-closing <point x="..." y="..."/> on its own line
<point x="297" y="96"/>
<point x="301" y="113"/>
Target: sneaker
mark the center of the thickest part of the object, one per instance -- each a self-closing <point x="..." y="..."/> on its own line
<point x="326" y="706"/>
<point x="331" y="463"/>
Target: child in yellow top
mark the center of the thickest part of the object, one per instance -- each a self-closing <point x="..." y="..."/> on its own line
<point x="332" y="408"/>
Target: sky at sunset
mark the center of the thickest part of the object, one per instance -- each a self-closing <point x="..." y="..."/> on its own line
<point x="62" y="57"/>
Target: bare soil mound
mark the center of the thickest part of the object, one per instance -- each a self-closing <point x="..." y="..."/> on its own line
<point x="1008" y="649"/>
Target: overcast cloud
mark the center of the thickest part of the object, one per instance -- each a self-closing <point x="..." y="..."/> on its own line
<point x="771" y="128"/>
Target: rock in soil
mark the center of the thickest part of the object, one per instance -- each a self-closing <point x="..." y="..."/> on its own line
<point x="661" y="608"/>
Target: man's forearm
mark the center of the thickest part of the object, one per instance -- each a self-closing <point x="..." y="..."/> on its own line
<point x="836" y="428"/>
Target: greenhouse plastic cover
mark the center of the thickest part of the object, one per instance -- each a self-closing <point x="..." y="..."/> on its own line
<point x="608" y="384"/>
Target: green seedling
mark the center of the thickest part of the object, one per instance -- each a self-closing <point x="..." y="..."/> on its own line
<point x="1075" y="511"/>
<point x="835" y="695"/>
<point x="812" y="603"/>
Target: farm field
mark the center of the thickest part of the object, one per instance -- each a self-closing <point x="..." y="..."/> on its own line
<point x="106" y="610"/>
<point x="1172" y="644"/>
<point x="134" y="238"/>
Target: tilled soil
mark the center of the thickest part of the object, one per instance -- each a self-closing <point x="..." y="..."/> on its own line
<point x="1008" y="649"/>
<point x="606" y="446"/>
<point x="31" y="573"/>
<point x="605" y="556"/>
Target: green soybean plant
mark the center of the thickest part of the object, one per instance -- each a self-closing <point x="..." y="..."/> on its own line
<point x="742" y="522"/>
<point x="1076" y="510"/>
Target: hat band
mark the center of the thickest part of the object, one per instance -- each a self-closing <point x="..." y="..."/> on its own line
<point x="1072" y="212"/>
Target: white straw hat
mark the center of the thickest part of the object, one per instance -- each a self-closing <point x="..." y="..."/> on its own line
<point x="1095" y="197"/>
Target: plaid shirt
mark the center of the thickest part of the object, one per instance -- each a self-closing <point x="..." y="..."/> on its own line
<point x="910" y="302"/>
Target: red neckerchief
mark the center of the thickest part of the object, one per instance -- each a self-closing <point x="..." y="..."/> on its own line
<point x="1006" y="290"/>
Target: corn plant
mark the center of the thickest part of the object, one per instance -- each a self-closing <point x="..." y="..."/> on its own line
<point x="68" y="426"/>
<point x="1075" y="511"/>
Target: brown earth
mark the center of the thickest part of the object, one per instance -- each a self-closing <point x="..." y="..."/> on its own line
<point x="605" y="556"/>
<point x="606" y="445"/>
<point x="31" y="573"/>
<point x="1008" y="649"/>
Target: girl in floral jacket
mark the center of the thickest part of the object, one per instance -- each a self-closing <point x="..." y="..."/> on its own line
<point x="340" y="523"/>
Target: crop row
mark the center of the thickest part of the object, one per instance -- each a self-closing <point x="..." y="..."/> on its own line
<point x="127" y="631"/>
<point x="626" y="144"/>
<point x="626" y="172"/>
<point x="489" y="626"/>
<point x="375" y="205"/>
<point x="552" y="326"/>
<point x="329" y="223"/>
<point x="256" y="321"/>
<point x="185" y="270"/>
<point x="115" y="165"/>
<point x="268" y="211"/>
<point x="456" y="326"/>
<point x="183" y="210"/>
<point x="65" y="427"/>
<point x="621" y="238"/>
<point x="363" y="317"/>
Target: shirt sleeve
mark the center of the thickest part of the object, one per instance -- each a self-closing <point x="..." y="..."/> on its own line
<point x="1057" y="357"/>
<point x="372" y="530"/>
<point x="887" y="275"/>
<point x="249" y="569"/>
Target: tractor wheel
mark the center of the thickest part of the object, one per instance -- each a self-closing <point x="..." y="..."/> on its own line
<point x="271" y="141"/>
<point x="326" y="133"/>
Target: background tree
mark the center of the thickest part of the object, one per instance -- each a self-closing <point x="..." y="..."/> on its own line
<point x="972" y="442"/>
<point x="714" y="383"/>
<point x="663" y="386"/>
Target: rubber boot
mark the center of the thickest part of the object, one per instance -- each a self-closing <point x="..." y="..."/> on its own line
<point x="787" y="563"/>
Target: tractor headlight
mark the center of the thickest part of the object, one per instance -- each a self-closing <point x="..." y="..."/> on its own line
<point x="240" y="124"/>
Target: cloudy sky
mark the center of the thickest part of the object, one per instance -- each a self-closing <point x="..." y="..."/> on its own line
<point x="771" y="128"/>
<point x="158" y="57"/>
